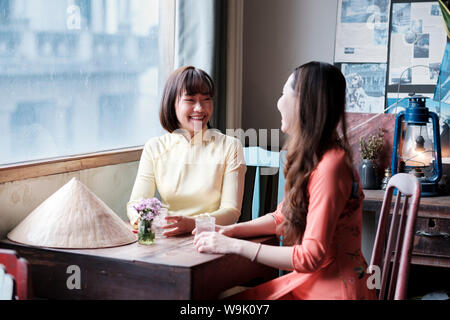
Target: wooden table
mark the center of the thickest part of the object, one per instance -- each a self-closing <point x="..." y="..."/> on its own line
<point x="432" y="238"/>
<point x="171" y="268"/>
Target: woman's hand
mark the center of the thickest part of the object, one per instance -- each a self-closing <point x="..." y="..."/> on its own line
<point x="216" y="242"/>
<point x="225" y="230"/>
<point x="180" y="225"/>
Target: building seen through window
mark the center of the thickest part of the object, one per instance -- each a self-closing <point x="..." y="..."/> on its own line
<point x="77" y="76"/>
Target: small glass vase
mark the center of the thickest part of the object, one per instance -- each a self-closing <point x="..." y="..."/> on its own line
<point x="146" y="232"/>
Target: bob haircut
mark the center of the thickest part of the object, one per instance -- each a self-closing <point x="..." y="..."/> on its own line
<point x="189" y="80"/>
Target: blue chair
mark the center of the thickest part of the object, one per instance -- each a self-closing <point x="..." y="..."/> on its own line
<point x="262" y="162"/>
<point x="281" y="182"/>
<point x="264" y="182"/>
<point x="281" y="176"/>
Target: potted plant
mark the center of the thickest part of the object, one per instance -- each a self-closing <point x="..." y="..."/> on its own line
<point x="370" y="149"/>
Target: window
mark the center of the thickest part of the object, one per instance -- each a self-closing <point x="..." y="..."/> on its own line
<point x="77" y="76"/>
<point x="4" y="12"/>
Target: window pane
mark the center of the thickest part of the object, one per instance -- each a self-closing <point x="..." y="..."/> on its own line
<point x="77" y="76"/>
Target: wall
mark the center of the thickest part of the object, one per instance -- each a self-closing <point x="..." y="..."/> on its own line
<point x="279" y="36"/>
<point x="112" y="184"/>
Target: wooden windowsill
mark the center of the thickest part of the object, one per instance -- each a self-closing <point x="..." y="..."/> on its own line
<point x="36" y="169"/>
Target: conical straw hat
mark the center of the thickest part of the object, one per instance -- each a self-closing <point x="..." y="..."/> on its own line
<point x="73" y="218"/>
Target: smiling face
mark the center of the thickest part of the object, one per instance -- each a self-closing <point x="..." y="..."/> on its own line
<point x="286" y="105"/>
<point x="187" y="101"/>
<point x="193" y="111"/>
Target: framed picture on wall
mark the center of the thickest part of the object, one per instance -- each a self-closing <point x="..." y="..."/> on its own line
<point x="417" y="43"/>
<point x="366" y="83"/>
<point x="362" y="31"/>
<point x="383" y="67"/>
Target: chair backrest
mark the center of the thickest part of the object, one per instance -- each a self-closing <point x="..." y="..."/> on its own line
<point x="399" y="238"/>
<point x="19" y="269"/>
<point x="260" y="192"/>
<point x="281" y="179"/>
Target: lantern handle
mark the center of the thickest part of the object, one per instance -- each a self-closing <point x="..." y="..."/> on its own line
<point x="412" y="67"/>
<point x="436" y="145"/>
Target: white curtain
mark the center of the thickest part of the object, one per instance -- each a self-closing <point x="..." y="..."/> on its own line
<point x="194" y="34"/>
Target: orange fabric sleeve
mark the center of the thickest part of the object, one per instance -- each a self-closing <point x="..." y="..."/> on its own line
<point x="329" y="189"/>
<point x="277" y="214"/>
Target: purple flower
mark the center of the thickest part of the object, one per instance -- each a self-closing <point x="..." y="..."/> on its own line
<point x="148" y="209"/>
<point x="140" y="207"/>
<point x="153" y="204"/>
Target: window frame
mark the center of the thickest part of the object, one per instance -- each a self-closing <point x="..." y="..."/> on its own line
<point x="35" y="169"/>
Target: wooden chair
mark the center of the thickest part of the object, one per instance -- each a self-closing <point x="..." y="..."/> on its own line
<point x="19" y="270"/>
<point x="400" y="237"/>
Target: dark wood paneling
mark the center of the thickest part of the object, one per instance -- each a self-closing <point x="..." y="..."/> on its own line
<point x="432" y="237"/>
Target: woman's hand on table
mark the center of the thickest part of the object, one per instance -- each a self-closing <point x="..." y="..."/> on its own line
<point x="180" y="225"/>
<point x="216" y="242"/>
<point x="225" y="230"/>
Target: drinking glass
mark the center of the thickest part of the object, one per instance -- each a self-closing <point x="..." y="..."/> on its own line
<point x="204" y="223"/>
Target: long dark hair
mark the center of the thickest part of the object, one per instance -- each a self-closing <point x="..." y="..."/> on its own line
<point x="320" y="91"/>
